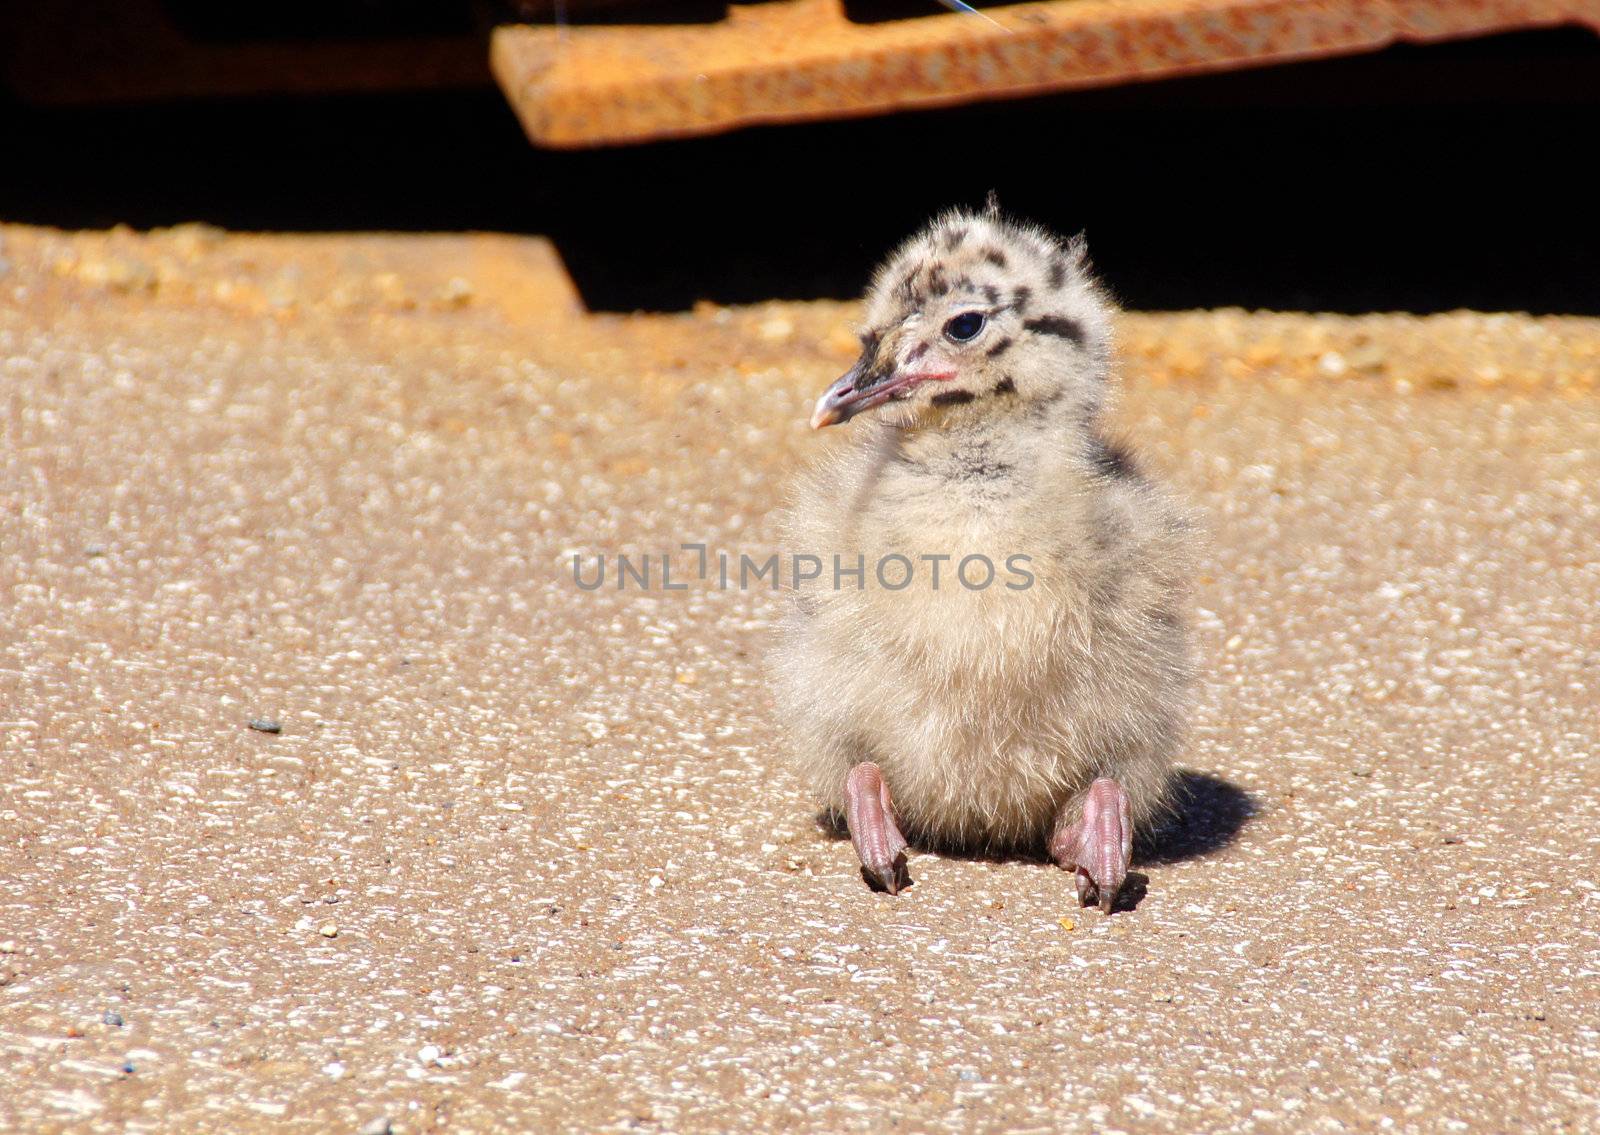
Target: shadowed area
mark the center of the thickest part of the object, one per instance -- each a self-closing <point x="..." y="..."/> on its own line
<point x="1208" y="814"/>
<point x="1421" y="179"/>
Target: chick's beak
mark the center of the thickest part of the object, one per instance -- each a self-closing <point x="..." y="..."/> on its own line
<point x="864" y="386"/>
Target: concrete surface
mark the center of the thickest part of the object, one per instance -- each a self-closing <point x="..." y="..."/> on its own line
<point x="527" y="858"/>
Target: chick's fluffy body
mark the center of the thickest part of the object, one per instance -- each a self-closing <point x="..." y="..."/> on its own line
<point x="989" y="710"/>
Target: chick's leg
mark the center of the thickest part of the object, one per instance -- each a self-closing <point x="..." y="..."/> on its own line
<point x="870" y="815"/>
<point x="1094" y="840"/>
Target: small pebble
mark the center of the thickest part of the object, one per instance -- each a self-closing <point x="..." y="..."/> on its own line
<point x="127" y="1068"/>
<point x="776" y="330"/>
<point x="266" y="725"/>
<point x="379" y="1126"/>
<point x="329" y="930"/>
<point x="429" y="1053"/>
<point x="113" y="1019"/>
<point x="1332" y="363"/>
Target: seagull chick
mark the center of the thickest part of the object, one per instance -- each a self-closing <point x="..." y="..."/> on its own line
<point x="988" y="648"/>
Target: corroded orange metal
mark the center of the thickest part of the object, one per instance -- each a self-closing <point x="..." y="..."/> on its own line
<point x="791" y="60"/>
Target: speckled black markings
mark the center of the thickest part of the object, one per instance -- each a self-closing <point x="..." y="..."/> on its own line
<point x="1000" y="348"/>
<point x="990" y="293"/>
<point x="1059" y="326"/>
<point x="916" y="352"/>
<point x="1006" y="385"/>
<point x="1166" y="618"/>
<point x="978" y="467"/>
<point x="1058" y="272"/>
<point x="954" y="398"/>
<point x="1020" y="298"/>
<point x="995" y="256"/>
<point x="938" y="283"/>
<point x="871" y="375"/>
<point x="953" y="239"/>
<point x="1042" y="411"/>
<point x="1112" y="460"/>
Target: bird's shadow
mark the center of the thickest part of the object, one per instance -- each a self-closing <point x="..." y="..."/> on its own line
<point x="1207" y="814"/>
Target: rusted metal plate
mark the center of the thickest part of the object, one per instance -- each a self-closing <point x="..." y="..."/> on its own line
<point x="792" y="60"/>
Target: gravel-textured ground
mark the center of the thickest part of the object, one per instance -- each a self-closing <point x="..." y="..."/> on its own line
<point x="523" y="857"/>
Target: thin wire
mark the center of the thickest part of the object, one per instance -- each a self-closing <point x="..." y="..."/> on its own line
<point x="962" y="6"/>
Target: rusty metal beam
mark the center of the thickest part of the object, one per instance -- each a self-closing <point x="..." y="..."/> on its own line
<point x="793" y="60"/>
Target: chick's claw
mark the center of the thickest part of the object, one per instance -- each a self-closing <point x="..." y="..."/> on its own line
<point x="1098" y="844"/>
<point x="869" y="813"/>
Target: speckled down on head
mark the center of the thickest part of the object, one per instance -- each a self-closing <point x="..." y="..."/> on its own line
<point x="1002" y="717"/>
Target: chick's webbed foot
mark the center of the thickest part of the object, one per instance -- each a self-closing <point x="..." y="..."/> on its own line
<point x="1094" y="840"/>
<point x="869" y="812"/>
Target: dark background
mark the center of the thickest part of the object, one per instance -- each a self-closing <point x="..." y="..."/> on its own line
<point x="1421" y="179"/>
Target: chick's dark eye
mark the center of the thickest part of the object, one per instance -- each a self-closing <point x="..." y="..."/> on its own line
<point x="965" y="326"/>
